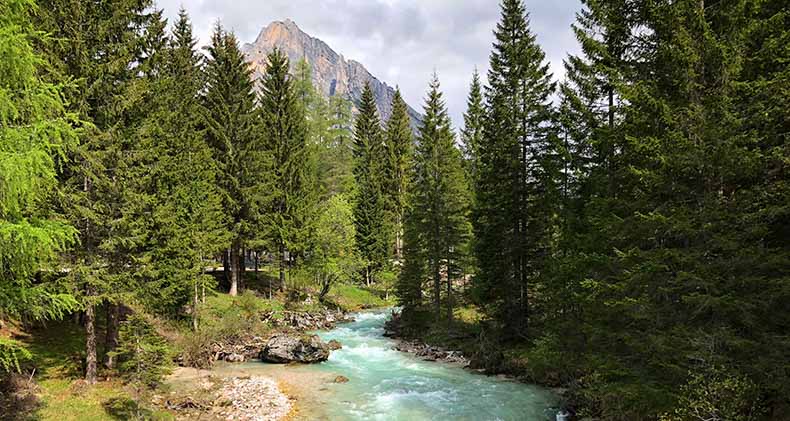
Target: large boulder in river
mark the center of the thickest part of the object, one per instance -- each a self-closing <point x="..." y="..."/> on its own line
<point x="285" y="348"/>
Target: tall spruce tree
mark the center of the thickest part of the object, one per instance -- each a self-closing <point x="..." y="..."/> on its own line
<point x="36" y="130"/>
<point x="474" y="120"/>
<point x="399" y="147"/>
<point x="294" y="193"/>
<point x="370" y="202"/>
<point x="106" y="50"/>
<point x="511" y="219"/>
<point x="437" y="224"/>
<point x="177" y="184"/>
<point x="237" y="147"/>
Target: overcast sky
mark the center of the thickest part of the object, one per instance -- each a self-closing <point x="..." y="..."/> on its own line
<point x="398" y="41"/>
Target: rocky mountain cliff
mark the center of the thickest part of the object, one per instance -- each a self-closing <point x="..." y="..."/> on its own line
<point x="332" y="74"/>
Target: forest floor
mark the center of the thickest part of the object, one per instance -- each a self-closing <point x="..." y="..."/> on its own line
<point x="50" y="386"/>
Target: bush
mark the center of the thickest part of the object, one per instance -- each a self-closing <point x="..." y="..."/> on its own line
<point x="716" y="395"/>
<point x="143" y="355"/>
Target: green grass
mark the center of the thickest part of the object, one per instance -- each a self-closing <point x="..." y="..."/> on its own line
<point x="353" y="297"/>
<point x="58" y="352"/>
<point x="67" y="400"/>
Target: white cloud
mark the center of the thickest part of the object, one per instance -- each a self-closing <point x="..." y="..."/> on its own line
<point x="399" y="41"/>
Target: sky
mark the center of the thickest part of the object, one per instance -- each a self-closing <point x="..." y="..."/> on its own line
<point x="400" y="42"/>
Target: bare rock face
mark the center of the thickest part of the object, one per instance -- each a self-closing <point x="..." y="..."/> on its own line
<point x="285" y="348"/>
<point x="332" y="74"/>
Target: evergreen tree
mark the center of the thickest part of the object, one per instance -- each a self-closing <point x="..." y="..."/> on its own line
<point x="474" y="120"/>
<point x="437" y="223"/>
<point x="337" y="154"/>
<point x="370" y="203"/>
<point x="329" y="128"/>
<point x="399" y="145"/>
<point x="294" y="192"/>
<point x="236" y="144"/>
<point x="106" y="49"/>
<point x="511" y="216"/>
<point x="177" y="184"/>
<point x="36" y="130"/>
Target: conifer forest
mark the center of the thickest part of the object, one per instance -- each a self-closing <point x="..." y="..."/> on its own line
<point x="609" y="244"/>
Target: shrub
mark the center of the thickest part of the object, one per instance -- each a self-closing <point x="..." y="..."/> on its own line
<point x="144" y="356"/>
<point x="716" y="394"/>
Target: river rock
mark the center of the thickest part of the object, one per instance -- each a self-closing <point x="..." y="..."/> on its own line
<point x="285" y="348"/>
<point x="334" y="345"/>
<point x="235" y="358"/>
<point x="341" y="379"/>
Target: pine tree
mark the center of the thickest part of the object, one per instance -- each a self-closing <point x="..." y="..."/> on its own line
<point x="236" y="144"/>
<point x="337" y="154"/>
<point x="294" y="193"/>
<point x="511" y="218"/>
<point x="399" y="145"/>
<point x="106" y="50"/>
<point x="36" y="131"/>
<point x="370" y="203"/>
<point x="437" y="222"/>
<point x="474" y="120"/>
<point x="177" y="184"/>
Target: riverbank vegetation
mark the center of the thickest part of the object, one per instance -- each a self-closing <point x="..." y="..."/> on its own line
<point x="622" y="234"/>
<point x="630" y="238"/>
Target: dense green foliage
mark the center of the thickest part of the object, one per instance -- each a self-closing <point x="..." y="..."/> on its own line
<point x="294" y="187"/>
<point x="334" y="256"/>
<point x="176" y="184"/>
<point x="36" y="130"/>
<point x="630" y="242"/>
<point x="437" y="224"/>
<point x="143" y="356"/>
<point x="512" y="215"/>
<point x="399" y="147"/>
<point x="237" y="145"/>
<point x="370" y="202"/>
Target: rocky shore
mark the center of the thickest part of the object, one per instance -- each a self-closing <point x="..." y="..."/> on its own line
<point x="392" y="330"/>
<point x="199" y="394"/>
<point x="246" y="347"/>
<point x="253" y="399"/>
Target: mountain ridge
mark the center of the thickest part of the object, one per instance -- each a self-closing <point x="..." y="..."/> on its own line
<point x="333" y="74"/>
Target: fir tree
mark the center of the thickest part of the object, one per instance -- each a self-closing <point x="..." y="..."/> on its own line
<point x="107" y="50"/>
<point x="437" y="223"/>
<point x="294" y="192"/>
<point x="370" y="203"/>
<point x="241" y="160"/>
<point x="177" y="184"/>
<point x="510" y="216"/>
<point x="399" y="145"/>
<point x="474" y="119"/>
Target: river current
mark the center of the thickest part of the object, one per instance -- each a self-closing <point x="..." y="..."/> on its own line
<point x="385" y="384"/>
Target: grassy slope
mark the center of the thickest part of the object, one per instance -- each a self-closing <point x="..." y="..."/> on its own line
<point x="58" y="354"/>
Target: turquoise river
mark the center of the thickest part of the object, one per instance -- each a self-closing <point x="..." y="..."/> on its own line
<point x="385" y="384"/>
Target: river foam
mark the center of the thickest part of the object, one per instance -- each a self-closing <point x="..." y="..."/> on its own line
<point x="386" y="384"/>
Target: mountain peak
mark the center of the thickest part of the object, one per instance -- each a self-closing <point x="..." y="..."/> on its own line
<point x="332" y="73"/>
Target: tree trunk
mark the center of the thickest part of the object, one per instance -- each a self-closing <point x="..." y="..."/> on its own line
<point x="111" y="334"/>
<point x="90" y="344"/>
<point x="437" y="290"/>
<point x="195" y="309"/>
<point x="399" y="240"/>
<point x="226" y="266"/>
<point x="325" y="285"/>
<point x="234" y="269"/>
<point x="282" y="267"/>
<point x="449" y="297"/>
<point x="242" y="267"/>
